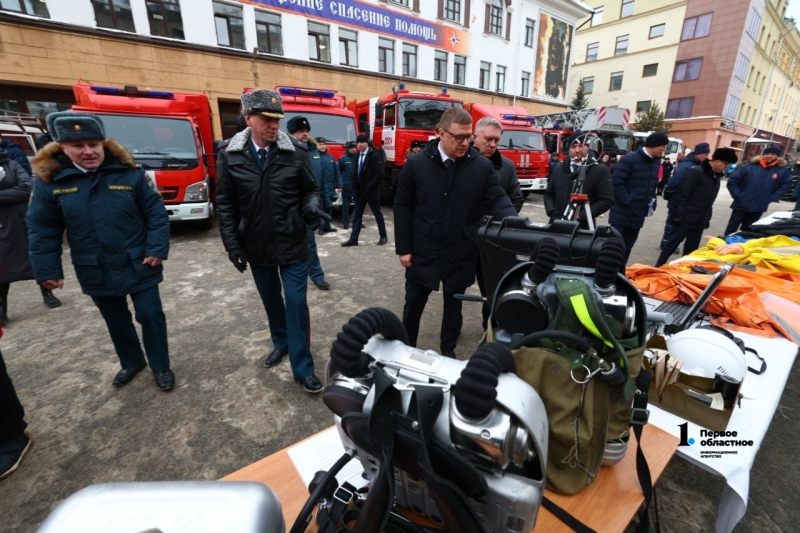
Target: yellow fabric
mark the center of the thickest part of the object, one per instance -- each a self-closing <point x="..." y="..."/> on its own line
<point x="778" y="253"/>
<point x="579" y="305"/>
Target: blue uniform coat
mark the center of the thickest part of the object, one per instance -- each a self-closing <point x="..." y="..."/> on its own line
<point x="754" y="187"/>
<point x="15" y="191"/>
<point x="677" y="175"/>
<point x="347" y="167"/>
<point x="333" y="178"/>
<point x="114" y="218"/>
<point x="16" y="153"/>
<point x="634" y="182"/>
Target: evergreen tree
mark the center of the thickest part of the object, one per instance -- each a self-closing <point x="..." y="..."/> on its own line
<point x="580" y="101"/>
<point x="652" y="120"/>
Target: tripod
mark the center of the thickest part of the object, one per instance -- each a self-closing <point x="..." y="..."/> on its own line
<point x="579" y="200"/>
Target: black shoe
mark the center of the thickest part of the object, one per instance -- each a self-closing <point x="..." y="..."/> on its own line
<point x="322" y="285"/>
<point x="11" y="454"/>
<point x="165" y="380"/>
<point x="449" y="353"/>
<point x="345" y="244"/>
<point x="383" y="241"/>
<point x="321" y="231"/>
<point x="125" y="375"/>
<point x="275" y="357"/>
<point x="310" y="384"/>
<point x="50" y="299"/>
<point x="331" y="230"/>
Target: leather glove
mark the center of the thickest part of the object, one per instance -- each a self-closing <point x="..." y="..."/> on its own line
<point x="238" y="259"/>
<point x="315" y="217"/>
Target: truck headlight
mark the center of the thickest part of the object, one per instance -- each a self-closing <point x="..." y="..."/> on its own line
<point x="197" y="192"/>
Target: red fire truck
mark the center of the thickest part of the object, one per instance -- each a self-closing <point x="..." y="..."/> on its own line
<point x="521" y="143"/>
<point x="169" y="135"/>
<point x="395" y="120"/>
<point x="609" y="123"/>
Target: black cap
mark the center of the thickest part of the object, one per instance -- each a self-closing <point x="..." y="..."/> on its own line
<point x="349" y="144"/>
<point x="362" y="139"/>
<point x="725" y="154"/>
<point x="321" y="140"/>
<point x="575" y="137"/>
<point x="656" y="139"/>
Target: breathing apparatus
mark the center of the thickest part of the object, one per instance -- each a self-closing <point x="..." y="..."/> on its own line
<point x="461" y="444"/>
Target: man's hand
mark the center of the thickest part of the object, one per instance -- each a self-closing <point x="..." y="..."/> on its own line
<point x="52" y="284"/>
<point x="314" y="216"/>
<point x="238" y="259"/>
<point x="405" y="260"/>
<point x="152" y="261"/>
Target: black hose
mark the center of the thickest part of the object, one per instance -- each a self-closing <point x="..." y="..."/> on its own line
<point x="304" y="517"/>
<point x="609" y="260"/>
<point x="347" y="351"/>
<point x="547" y="253"/>
<point x="476" y="389"/>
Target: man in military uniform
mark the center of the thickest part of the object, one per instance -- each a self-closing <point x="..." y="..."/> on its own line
<point x="347" y="166"/>
<point x="330" y="173"/>
<point x="267" y="196"/>
<point x="118" y="232"/>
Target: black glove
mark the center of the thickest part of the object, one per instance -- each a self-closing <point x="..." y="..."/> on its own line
<point x="315" y="217"/>
<point x="238" y="259"/>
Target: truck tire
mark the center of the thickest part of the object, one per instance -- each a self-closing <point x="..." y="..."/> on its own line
<point x="387" y="192"/>
<point x="525" y="194"/>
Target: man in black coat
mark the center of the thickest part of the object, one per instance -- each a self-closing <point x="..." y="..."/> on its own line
<point x="266" y="195"/>
<point x="370" y="167"/>
<point x="563" y="181"/>
<point x="693" y="201"/>
<point x="442" y="194"/>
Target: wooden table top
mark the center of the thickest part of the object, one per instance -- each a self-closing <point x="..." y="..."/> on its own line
<point x="609" y="504"/>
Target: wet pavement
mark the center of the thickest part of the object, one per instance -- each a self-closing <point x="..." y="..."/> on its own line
<point x="228" y="411"/>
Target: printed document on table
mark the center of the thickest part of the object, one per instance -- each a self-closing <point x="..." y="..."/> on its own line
<point x="319" y="453"/>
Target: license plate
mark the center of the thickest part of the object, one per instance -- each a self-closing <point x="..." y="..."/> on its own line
<point x="526" y="183"/>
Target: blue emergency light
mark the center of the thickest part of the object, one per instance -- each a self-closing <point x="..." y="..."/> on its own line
<point x="402" y="86"/>
<point x="530" y="118"/>
<point x="444" y="90"/>
<point x="130" y="90"/>
<point x="293" y="91"/>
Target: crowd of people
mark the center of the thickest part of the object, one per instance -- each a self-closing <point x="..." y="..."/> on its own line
<point x="276" y="192"/>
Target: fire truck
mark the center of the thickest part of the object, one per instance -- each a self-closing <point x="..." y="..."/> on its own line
<point x="169" y="135"/>
<point x="674" y="147"/>
<point x="609" y="123"/>
<point x="521" y="142"/>
<point x="394" y="121"/>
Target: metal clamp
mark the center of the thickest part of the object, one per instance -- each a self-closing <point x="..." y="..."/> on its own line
<point x="589" y="375"/>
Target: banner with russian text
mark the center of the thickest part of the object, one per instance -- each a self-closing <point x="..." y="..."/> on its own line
<point x="378" y="19"/>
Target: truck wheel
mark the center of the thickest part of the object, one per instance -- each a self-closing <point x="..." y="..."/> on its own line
<point x="387" y="193"/>
<point x="525" y="194"/>
<point x="205" y="224"/>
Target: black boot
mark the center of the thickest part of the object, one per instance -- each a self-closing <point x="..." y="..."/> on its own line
<point x="3" y="310"/>
<point x="49" y="298"/>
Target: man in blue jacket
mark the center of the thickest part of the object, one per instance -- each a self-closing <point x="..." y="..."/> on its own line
<point x="634" y="181"/>
<point x="330" y="173"/>
<point x="16" y="153"/>
<point x="700" y="154"/>
<point x="118" y="233"/>
<point x="754" y="186"/>
<point x="347" y="165"/>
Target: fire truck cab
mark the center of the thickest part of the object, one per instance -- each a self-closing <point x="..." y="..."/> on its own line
<point x="521" y="142"/>
<point x="609" y="123"/>
<point x="395" y="120"/>
<point x="169" y="135"/>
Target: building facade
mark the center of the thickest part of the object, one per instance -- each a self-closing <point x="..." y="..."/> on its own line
<point x="492" y="51"/>
<point x="724" y="72"/>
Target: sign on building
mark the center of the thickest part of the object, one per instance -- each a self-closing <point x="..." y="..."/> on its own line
<point x="552" y="57"/>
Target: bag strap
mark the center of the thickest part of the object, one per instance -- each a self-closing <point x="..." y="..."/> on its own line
<point x="565" y="516"/>
<point x="763" y="363"/>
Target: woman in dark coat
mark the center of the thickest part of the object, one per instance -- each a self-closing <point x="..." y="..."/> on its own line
<point x="15" y="265"/>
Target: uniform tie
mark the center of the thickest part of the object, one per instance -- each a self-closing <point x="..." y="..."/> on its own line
<point x="262" y="157"/>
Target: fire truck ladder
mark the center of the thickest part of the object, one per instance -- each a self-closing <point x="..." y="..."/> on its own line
<point x="566" y="119"/>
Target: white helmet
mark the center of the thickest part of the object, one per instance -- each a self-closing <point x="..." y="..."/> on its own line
<point x="705" y="353"/>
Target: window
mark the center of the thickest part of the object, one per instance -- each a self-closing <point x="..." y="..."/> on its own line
<point x="696" y="27"/>
<point x="592" y="50"/>
<point x="460" y="70"/>
<point x="410" y="60"/>
<point x="440" y="66"/>
<point x="348" y="47"/>
<point x="627" y="9"/>
<point x="111" y="14"/>
<point x="268" y="31"/>
<point x="643" y="106"/>
<point x="385" y="55"/>
<point x="525" y="84"/>
<point x="500" y="75"/>
<point x="165" y="18"/>
<point x="485" y="73"/>
<point x="680" y="107"/>
<point x="452" y="10"/>
<point x="622" y="45"/>
<point x="319" y="42"/>
<point x="588" y="85"/>
<point x="494" y="16"/>
<point x="529" y="26"/>
<point x="755" y="21"/>
<point x="616" y="81"/>
<point x="650" y="70"/>
<point x="230" y="28"/>
<point x="688" y="70"/>
<point x="30" y="7"/>
<point x="741" y="68"/>
<point x="403" y="3"/>
<point x="597" y="16"/>
<point x="657" y="31"/>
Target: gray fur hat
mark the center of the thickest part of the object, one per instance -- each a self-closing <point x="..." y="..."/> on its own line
<point x="66" y="126"/>
<point x="262" y="102"/>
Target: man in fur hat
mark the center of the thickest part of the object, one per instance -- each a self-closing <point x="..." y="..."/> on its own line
<point x="755" y="185"/>
<point x="266" y="195"/>
<point x="118" y="232"/>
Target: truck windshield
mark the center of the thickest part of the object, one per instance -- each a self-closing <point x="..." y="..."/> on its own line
<point x="336" y="129"/>
<point x="615" y="143"/>
<point x="521" y="140"/>
<point x="150" y="138"/>
<point x="423" y="113"/>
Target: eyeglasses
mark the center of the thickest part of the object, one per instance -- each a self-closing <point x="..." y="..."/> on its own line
<point x="460" y="138"/>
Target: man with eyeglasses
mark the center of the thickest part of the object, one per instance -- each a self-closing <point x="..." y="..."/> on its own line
<point x="442" y="194"/>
